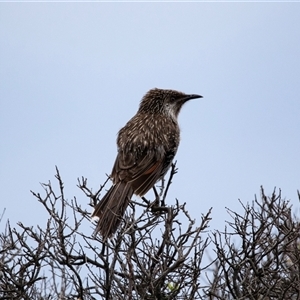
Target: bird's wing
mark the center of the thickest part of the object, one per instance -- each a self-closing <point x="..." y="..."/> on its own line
<point x="140" y="168"/>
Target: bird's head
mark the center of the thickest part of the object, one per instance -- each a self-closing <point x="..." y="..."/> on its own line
<point x="169" y="102"/>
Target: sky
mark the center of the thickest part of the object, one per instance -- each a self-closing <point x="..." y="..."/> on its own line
<point x="72" y="74"/>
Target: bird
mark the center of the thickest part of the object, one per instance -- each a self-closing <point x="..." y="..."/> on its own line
<point x="146" y="146"/>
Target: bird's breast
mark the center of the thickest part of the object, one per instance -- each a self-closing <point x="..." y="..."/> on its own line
<point x="143" y="132"/>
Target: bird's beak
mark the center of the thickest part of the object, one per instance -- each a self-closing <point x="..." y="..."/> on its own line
<point x="192" y="96"/>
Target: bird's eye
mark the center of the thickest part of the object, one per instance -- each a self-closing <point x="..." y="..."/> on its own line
<point x="172" y="99"/>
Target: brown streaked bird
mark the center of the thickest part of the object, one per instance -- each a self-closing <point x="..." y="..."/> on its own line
<point x="147" y="145"/>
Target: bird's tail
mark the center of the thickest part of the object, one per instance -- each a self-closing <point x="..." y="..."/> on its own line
<point x="111" y="209"/>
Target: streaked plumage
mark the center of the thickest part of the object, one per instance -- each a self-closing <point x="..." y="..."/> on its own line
<point x="147" y="145"/>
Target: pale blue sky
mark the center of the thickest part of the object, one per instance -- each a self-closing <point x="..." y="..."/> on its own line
<point x="72" y="74"/>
